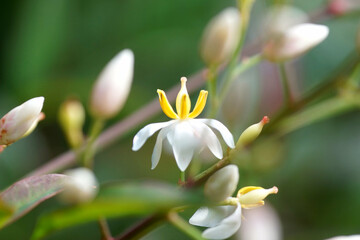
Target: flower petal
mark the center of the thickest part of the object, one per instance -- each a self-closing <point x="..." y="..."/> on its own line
<point x="225" y="133"/>
<point x="208" y="137"/>
<point x="146" y="132"/>
<point x="226" y="227"/>
<point x="211" y="217"/>
<point x="184" y="142"/>
<point x="158" y="146"/>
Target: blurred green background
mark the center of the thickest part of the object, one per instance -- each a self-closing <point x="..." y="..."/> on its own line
<point x="56" y="49"/>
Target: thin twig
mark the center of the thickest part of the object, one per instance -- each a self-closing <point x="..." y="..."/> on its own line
<point x="104" y="228"/>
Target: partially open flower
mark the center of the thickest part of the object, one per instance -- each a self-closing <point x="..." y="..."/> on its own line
<point x="112" y="87"/>
<point x="185" y="134"/>
<point x="21" y="121"/>
<point x="251" y="133"/>
<point x="221" y="37"/>
<point x="222" y="184"/>
<point x="81" y="187"/>
<point x="254" y="196"/>
<point x="294" y="42"/>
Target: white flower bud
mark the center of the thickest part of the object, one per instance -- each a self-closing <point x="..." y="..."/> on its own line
<point x="280" y="18"/>
<point x="350" y="237"/>
<point x="72" y="118"/>
<point x="21" y="121"/>
<point x="221" y="37"/>
<point x="251" y="133"/>
<point x="222" y="184"/>
<point x="294" y="42"/>
<point x="254" y="196"/>
<point x="112" y="87"/>
<point x="81" y="187"/>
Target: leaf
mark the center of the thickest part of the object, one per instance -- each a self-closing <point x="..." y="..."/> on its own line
<point x="119" y="200"/>
<point x="24" y="195"/>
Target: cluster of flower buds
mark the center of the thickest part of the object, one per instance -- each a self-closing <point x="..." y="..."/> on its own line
<point x="72" y="118"/>
<point x="112" y="87"/>
<point x="224" y="220"/>
<point x="21" y="121"/>
<point x="81" y="187"/>
<point x="221" y="37"/>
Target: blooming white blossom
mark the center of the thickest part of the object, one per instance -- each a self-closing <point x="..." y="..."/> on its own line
<point x="112" y="87"/>
<point x="350" y="237"/>
<point x="185" y="134"/>
<point x="295" y="41"/>
<point x="225" y="220"/>
<point x="21" y="121"/>
<point x="221" y="36"/>
<point x="81" y="187"/>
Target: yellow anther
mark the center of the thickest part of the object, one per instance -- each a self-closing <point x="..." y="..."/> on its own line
<point x="165" y="105"/>
<point x="183" y="103"/>
<point x="200" y="104"/>
<point x="245" y="190"/>
<point x="254" y="196"/>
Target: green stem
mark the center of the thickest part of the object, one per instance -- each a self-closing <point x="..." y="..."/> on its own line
<point x="184" y="226"/>
<point x="212" y="87"/>
<point x="89" y="152"/>
<point x="286" y="86"/>
<point x="182" y="176"/>
<point x="104" y="228"/>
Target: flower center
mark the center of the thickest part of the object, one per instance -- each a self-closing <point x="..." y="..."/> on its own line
<point x="183" y="103"/>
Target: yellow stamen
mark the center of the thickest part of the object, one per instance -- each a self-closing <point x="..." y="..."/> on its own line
<point x="165" y="105"/>
<point x="183" y="103"/>
<point x="245" y="190"/>
<point x="200" y="104"/>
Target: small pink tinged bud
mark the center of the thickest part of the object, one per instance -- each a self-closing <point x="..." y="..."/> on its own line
<point x="21" y="121"/>
<point x="252" y="132"/>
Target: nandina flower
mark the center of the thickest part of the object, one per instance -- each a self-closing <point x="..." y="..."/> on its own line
<point x="21" y="121"/>
<point x="224" y="221"/>
<point x="185" y="134"/>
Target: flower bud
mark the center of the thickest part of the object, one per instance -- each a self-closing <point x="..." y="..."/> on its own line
<point x="341" y="7"/>
<point x="72" y="118"/>
<point x="294" y="42"/>
<point x="349" y="237"/>
<point x="112" y="87"/>
<point x="81" y="187"/>
<point x="221" y="37"/>
<point x="21" y="121"/>
<point x="254" y="196"/>
<point x="222" y="184"/>
<point x="251" y="133"/>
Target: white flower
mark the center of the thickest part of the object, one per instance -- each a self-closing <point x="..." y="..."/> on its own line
<point x="185" y="134"/>
<point x="224" y="221"/>
<point x="80" y="188"/>
<point x="112" y="87"/>
<point x="21" y="121"/>
<point x="295" y="41"/>
<point x="350" y="237"/>
<point x="221" y="36"/>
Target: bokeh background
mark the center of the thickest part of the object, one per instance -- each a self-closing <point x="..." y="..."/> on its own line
<point x="56" y="49"/>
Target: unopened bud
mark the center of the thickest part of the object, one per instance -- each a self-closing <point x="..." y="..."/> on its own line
<point x="72" y="118"/>
<point x="254" y="196"/>
<point x="112" y="87"/>
<point x="341" y="7"/>
<point x="294" y="42"/>
<point x="221" y="37"/>
<point x="251" y="133"/>
<point x="81" y="187"/>
<point x="21" y="121"/>
<point x="222" y="184"/>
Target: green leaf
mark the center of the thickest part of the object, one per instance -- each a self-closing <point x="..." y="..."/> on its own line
<point x="24" y="195"/>
<point x="119" y="200"/>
